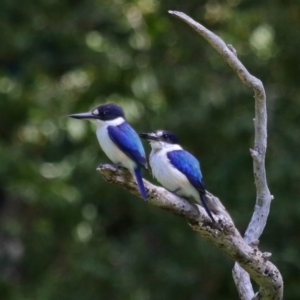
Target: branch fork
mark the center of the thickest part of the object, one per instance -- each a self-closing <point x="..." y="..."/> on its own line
<point x="249" y="260"/>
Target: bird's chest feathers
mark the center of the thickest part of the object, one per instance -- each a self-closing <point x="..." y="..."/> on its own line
<point x="110" y="148"/>
<point x="165" y="172"/>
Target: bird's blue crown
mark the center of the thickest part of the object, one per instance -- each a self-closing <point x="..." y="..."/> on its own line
<point x="168" y="137"/>
<point x="109" y="111"/>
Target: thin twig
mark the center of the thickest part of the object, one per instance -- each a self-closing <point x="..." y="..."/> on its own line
<point x="263" y="196"/>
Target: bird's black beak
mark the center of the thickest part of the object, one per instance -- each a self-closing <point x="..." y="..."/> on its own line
<point x="149" y="136"/>
<point x="86" y="115"/>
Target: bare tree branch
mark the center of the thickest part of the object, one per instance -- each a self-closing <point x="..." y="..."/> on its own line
<point x="223" y="236"/>
<point x="263" y="196"/>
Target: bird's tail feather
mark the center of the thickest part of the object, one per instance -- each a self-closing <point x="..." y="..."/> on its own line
<point x="140" y="183"/>
<point x="203" y="200"/>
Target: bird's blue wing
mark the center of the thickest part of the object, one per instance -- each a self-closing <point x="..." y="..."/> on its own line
<point x="187" y="164"/>
<point x="129" y="142"/>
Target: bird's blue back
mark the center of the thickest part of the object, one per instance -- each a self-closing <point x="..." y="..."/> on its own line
<point x="125" y="137"/>
<point x="187" y="164"/>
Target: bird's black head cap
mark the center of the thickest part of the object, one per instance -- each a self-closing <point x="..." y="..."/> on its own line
<point x="167" y="137"/>
<point x="109" y="111"/>
<point x="160" y="135"/>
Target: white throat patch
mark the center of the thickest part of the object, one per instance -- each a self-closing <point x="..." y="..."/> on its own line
<point x="159" y="145"/>
<point x="115" y="122"/>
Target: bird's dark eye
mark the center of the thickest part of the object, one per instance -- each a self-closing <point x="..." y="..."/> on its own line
<point x="165" y="136"/>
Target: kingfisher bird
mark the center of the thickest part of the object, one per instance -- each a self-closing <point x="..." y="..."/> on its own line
<point x="175" y="168"/>
<point x="118" y="140"/>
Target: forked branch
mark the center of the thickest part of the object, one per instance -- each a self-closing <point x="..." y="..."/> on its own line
<point x="263" y="196"/>
<point x="244" y="251"/>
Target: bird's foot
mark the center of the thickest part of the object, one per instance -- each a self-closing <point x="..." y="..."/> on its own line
<point x="175" y="192"/>
<point x="119" y="167"/>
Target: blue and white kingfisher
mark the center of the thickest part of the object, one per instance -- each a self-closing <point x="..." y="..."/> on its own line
<point x="118" y="140"/>
<point x="176" y="169"/>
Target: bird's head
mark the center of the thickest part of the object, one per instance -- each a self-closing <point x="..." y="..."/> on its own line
<point x="102" y="113"/>
<point x="160" y="139"/>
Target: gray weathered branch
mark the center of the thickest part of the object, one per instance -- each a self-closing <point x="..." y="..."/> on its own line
<point x="224" y="235"/>
<point x="263" y="196"/>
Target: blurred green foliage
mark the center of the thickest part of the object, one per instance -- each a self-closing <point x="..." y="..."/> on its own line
<point x="67" y="234"/>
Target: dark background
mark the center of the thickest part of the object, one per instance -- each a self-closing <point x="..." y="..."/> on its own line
<point x="68" y="234"/>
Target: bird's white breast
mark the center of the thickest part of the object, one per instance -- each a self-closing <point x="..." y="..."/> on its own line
<point x="170" y="177"/>
<point x="109" y="147"/>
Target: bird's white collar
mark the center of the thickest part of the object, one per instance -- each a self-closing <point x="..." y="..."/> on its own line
<point x="116" y="122"/>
